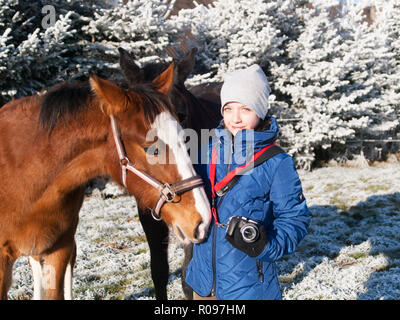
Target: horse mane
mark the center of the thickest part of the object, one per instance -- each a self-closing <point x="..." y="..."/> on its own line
<point x="63" y="101"/>
<point x="154" y="102"/>
<point x="67" y="99"/>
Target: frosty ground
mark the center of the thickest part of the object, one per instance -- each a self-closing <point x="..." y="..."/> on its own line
<point x="352" y="250"/>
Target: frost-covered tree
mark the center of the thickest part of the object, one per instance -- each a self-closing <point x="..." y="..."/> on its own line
<point x="339" y="81"/>
<point x="85" y="37"/>
<point x="33" y="57"/>
<point x="389" y="23"/>
<point x="333" y="75"/>
<point x="235" y="34"/>
<point x="137" y="26"/>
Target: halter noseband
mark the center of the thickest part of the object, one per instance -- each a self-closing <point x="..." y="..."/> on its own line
<point x="168" y="192"/>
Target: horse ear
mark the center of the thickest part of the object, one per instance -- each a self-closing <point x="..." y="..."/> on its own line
<point x="164" y="82"/>
<point x="113" y="98"/>
<point x="133" y="74"/>
<point x="186" y="65"/>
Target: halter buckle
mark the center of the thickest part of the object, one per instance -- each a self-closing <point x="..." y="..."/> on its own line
<point x="167" y="193"/>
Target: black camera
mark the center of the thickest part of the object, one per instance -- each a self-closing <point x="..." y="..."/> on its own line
<point x="250" y="232"/>
<point x="246" y="235"/>
<point x="248" y="228"/>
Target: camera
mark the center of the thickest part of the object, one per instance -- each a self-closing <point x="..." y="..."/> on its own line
<point x="249" y="229"/>
<point x="246" y="235"/>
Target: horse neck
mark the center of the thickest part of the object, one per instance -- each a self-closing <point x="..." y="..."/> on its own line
<point x="80" y="150"/>
<point x="37" y="166"/>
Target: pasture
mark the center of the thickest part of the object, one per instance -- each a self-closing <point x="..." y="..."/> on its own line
<point x="352" y="250"/>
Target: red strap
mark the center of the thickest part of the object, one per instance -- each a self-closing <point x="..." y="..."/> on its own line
<point x="233" y="173"/>
<point x="213" y="168"/>
<point x="230" y="175"/>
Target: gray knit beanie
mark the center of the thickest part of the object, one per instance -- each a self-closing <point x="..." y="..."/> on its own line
<point x="248" y="86"/>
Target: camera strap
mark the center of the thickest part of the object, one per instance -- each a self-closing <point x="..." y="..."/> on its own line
<point x="233" y="176"/>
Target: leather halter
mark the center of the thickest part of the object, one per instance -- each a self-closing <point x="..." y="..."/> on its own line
<point x="168" y="192"/>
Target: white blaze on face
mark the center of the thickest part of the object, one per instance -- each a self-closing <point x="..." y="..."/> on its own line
<point x="171" y="133"/>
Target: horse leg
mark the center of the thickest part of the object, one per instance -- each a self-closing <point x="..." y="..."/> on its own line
<point x="6" y="263"/>
<point x="68" y="275"/>
<point x="187" y="290"/>
<point x="36" y="266"/>
<point x="53" y="270"/>
<point x="157" y="237"/>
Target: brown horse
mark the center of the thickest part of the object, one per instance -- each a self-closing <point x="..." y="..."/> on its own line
<point x="52" y="144"/>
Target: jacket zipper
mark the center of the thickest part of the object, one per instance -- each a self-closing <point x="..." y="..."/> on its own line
<point x="213" y="252"/>
<point x="214" y="283"/>
<point x="213" y="261"/>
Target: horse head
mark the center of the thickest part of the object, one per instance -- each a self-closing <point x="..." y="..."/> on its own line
<point x="149" y="141"/>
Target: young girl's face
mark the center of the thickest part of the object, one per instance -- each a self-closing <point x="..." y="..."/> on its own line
<point x="238" y="116"/>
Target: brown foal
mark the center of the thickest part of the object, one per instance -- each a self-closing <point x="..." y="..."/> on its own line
<point x="53" y="143"/>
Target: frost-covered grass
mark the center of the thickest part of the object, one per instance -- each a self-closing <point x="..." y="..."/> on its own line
<point x="352" y="250"/>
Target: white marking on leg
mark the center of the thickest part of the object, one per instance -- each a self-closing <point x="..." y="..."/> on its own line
<point x="49" y="277"/>
<point x="68" y="283"/>
<point x="38" y="291"/>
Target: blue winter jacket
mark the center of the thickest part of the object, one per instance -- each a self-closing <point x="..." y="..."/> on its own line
<point x="271" y="194"/>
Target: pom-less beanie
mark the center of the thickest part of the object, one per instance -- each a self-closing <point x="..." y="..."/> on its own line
<point x="248" y="86"/>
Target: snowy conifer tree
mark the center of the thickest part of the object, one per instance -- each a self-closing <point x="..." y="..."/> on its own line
<point x="336" y="76"/>
<point x="338" y="81"/>
<point x="33" y="57"/>
<point x="235" y="34"/>
<point x="137" y="26"/>
<point x="389" y="24"/>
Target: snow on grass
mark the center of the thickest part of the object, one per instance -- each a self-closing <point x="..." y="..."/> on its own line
<point x="352" y="250"/>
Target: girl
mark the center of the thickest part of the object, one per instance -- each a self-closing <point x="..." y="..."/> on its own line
<point x="263" y="216"/>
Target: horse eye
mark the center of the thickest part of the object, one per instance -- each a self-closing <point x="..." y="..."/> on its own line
<point x="155" y="151"/>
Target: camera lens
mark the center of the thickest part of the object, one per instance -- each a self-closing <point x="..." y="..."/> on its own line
<point x="249" y="233"/>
